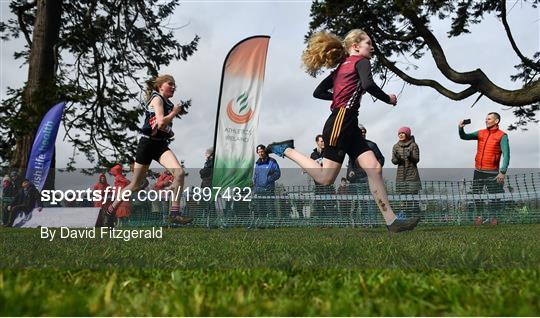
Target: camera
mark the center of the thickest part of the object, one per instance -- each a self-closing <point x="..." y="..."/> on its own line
<point x="466" y="121"/>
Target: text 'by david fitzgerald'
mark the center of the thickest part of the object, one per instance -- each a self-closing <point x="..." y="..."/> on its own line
<point x="65" y="232"/>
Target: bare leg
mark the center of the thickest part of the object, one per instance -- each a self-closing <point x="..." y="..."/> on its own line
<point x="369" y="163"/>
<point x="139" y="172"/>
<point x="324" y="175"/>
<point x="168" y="161"/>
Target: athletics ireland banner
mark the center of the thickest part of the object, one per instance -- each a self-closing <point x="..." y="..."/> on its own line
<point x="238" y="112"/>
<point x="43" y="148"/>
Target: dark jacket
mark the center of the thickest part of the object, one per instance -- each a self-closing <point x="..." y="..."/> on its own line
<point x="355" y="174"/>
<point x="206" y="172"/>
<point x="317" y="156"/>
<point x="9" y="189"/>
<point x="406" y="156"/>
<point x="27" y="199"/>
<point x="265" y="175"/>
<point x="17" y="184"/>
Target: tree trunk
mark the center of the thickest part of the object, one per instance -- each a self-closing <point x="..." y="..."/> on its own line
<point x="40" y="93"/>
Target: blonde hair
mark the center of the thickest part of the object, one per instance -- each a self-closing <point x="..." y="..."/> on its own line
<point x="155" y="83"/>
<point x="326" y="49"/>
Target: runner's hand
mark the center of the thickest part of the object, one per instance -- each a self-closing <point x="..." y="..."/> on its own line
<point x="177" y="109"/>
<point x="393" y="99"/>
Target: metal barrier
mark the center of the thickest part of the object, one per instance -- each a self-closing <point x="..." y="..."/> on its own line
<point x="437" y="203"/>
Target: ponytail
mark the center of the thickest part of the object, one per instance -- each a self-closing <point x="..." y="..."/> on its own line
<point x="153" y="84"/>
<point x="324" y="50"/>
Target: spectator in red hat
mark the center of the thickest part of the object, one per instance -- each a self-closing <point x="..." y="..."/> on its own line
<point x="406" y="155"/>
<point x="120" y="181"/>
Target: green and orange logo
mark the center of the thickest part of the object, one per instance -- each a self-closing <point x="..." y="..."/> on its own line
<point x="245" y="113"/>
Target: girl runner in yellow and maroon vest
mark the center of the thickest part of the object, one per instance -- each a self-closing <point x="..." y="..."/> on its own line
<point x="344" y="87"/>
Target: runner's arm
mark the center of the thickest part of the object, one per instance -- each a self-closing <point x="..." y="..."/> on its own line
<point x="324" y="90"/>
<point x="363" y="67"/>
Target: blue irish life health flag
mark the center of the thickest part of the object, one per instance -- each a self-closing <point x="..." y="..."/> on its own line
<point x="43" y="148"/>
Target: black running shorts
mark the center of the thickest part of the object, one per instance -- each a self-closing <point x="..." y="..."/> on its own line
<point x="150" y="149"/>
<point x="342" y="136"/>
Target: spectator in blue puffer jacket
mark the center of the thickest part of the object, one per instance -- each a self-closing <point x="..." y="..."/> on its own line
<point x="266" y="172"/>
<point x="265" y="175"/>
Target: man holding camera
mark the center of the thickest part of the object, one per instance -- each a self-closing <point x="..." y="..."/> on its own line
<point x="492" y="143"/>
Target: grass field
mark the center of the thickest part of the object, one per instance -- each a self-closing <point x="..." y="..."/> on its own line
<point x="296" y="271"/>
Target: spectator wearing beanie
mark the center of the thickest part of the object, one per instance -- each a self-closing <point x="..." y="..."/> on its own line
<point x="406" y="155"/>
<point x="8" y="187"/>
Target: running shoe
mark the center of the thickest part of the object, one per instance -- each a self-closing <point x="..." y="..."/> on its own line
<point x="400" y="225"/>
<point x="178" y="219"/>
<point x="279" y="147"/>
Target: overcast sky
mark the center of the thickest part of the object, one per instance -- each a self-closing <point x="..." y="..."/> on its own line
<point x="290" y="111"/>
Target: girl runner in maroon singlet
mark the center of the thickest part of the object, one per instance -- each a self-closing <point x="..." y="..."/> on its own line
<point x="345" y="86"/>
